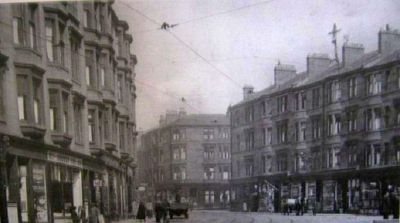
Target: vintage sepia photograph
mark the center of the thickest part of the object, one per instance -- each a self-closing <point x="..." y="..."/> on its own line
<point x="199" y="111"/>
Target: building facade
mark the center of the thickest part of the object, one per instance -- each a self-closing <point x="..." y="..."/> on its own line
<point x="189" y="155"/>
<point x="67" y="111"/>
<point x="328" y="136"/>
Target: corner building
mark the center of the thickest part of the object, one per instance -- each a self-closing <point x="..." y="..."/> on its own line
<point x="67" y="110"/>
<point x="189" y="156"/>
<point x="328" y="135"/>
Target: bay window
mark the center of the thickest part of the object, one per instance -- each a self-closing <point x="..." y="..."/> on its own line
<point x="59" y="108"/>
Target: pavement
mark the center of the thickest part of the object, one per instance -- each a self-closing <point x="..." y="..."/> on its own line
<point x="209" y="216"/>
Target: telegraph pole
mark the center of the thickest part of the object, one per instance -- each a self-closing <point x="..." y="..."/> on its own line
<point x="334" y="33"/>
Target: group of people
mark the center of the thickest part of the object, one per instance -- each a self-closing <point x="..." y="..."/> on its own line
<point x="390" y="205"/>
<point x="299" y="206"/>
<point x="160" y="208"/>
<point x="79" y="215"/>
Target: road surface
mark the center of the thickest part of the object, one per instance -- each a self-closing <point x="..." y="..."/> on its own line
<point x="203" y="216"/>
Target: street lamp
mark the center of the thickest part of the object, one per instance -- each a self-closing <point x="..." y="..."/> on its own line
<point x="4" y="143"/>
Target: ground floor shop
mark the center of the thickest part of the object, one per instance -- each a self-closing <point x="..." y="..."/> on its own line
<point x="43" y="184"/>
<point x="200" y="196"/>
<point x="348" y="191"/>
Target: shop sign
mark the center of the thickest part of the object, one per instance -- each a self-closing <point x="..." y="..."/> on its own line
<point x="97" y="183"/>
<point x="64" y="159"/>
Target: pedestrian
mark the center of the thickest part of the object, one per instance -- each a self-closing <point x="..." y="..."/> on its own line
<point x="158" y="211"/>
<point x="74" y="216"/>
<point x="94" y="214"/>
<point x="141" y="214"/>
<point x="386" y="206"/>
<point x="394" y="205"/>
<point x="244" y="206"/>
<point x="165" y="208"/>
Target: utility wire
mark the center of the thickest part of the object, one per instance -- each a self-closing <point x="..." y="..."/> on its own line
<point x="187" y="46"/>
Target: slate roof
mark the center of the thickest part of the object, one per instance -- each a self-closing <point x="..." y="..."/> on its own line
<point x="368" y="60"/>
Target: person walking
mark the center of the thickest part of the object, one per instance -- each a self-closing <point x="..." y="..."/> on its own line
<point x="386" y="206"/>
<point x="141" y="214"/>
<point x="94" y="214"/>
<point x="165" y="209"/>
<point x="74" y="216"/>
<point x="158" y="211"/>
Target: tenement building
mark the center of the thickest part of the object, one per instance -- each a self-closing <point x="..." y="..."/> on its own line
<point x="328" y="136"/>
<point x="189" y="157"/>
<point x="67" y="111"/>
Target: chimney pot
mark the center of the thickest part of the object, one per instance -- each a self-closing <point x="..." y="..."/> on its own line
<point x="247" y="91"/>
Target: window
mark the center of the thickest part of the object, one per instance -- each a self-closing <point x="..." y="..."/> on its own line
<point x="91" y="126"/>
<point x="316" y="99"/>
<point x="179" y="153"/>
<point x="269" y="136"/>
<point x="316" y="127"/>
<point x="50" y="39"/>
<point x="119" y="88"/>
<point x="89" y="72"/>
<point x="209" y="197"/>
<point x="78" y="121"/>
<point x="282" y="104"/>
<point x="374" y="84"/>
<point x="18" y="29"/>
<point x="300" y="131"/>
<point x="263" y="109"/>
<point x="351" y="121"/>
<point x="333" y="124"/>
<point x="122" y="135"/>
<point x="373" y="155"/>
<point x="225" y="173"/>
<point x="208" y="151"/>
<point x="249" y="139"/>
<point x="102" y="76"/>
<point x="178" y="134"/>
<point x="282" y="131"/>
<point x="352" y="87"/>
<point x="209" y="173"/>
<point x="281" y="162"/>
<point x="333" y="91"/>
<point x="86" y="18"/>
<point x="74" y="44"/>
<point x="208" y="133"/>
<point x="29" y="88"/>
<point x="249" y="114"/>
<point x="224" y="152"/>
<point x="249" y="165"/>
<point x="22" y="85"/>
<point x="59" y="110"/>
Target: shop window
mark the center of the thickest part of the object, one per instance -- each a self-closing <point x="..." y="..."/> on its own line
<point x="209" y="197"/>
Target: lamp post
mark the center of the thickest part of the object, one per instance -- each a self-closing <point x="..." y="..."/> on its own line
<point x="4" y="143"/>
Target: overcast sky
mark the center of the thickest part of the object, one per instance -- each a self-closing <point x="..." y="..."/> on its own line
<point x="244" y="44"/>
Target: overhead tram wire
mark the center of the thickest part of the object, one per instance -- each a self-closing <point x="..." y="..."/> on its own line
<point x="186" y="45"/>
<point x="143" y="83"/>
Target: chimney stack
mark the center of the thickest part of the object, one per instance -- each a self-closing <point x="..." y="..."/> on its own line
<point x="388" y="40"/>
<point x="352" y="52"/>
<point x="317" y="63"/>
<point x="247" y="91"/>
<point x="283" y="72"/>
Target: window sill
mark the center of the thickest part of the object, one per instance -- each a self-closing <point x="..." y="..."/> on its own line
<point x="110" y="146"/>
<point x="27" y="48"/>
<point x="32" y="130"/>
<point x="58" y="66"/>
<point x="62" y="139"/>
